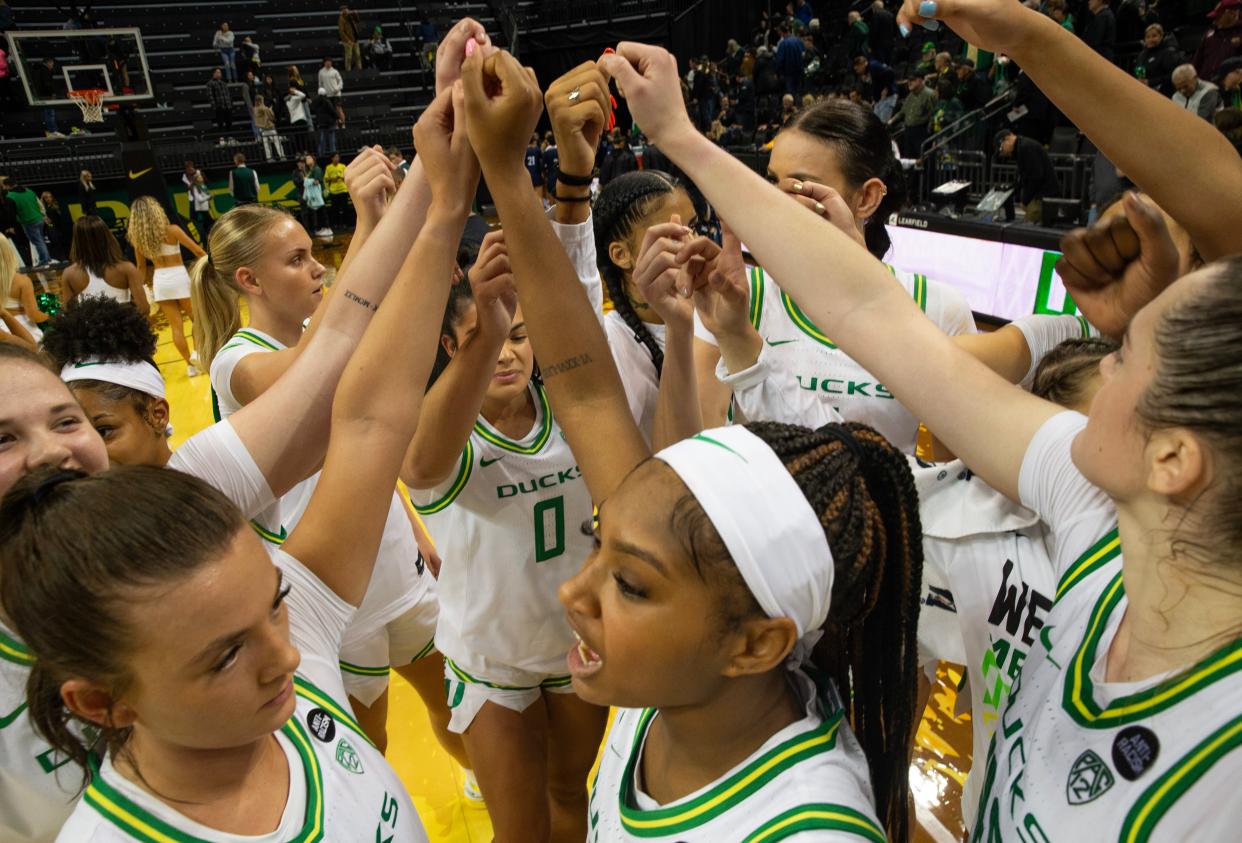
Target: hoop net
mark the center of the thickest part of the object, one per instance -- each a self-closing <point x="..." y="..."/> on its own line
<point x="90" y="100"/>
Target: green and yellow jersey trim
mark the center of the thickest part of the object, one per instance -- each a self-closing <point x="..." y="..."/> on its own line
<point x="1097" y="556"/>
<point x="254" y="338"/>
<point x="425" y="652"/>
<point x="310" y="693"/>
<point x="490" y="434"/>
<point x="1078" y="697"/>
<point x="726" y="795"/>
<point x="817" y="817"/>
<point x="463" y="676"/>
<point x="138" y="823"/>
<point x="918" y="292"/>
<point x="1164" y="792"/>
<point x="12" y="650"/>
<point x="756" y="296"/>
<point x="464" y="470"/>
<point x="269" y="536"/>
<point x="360" y="670"/>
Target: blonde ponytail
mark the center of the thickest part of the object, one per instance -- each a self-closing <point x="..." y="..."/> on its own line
<point x="237" y="239"/>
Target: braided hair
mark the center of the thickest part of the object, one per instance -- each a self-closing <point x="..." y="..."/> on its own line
<point x="620" y="207"/>
<point x="861" y="488"/>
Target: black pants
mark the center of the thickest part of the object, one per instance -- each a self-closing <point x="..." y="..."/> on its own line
<point x="224" y="118"/>
<point x="202" y="221"/>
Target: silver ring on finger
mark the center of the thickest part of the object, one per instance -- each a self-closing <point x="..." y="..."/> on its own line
<point x="575" y="94"/>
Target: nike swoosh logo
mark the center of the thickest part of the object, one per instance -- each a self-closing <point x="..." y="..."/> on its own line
<point x="84" y="365"/>
<point x="775" y="343"/>
<point x="484" y="462"/>
<point x="8" y="719"/>
<point x="140" y="173"/>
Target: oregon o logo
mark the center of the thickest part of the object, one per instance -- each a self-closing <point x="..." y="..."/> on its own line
<point x="1089" y="778"/>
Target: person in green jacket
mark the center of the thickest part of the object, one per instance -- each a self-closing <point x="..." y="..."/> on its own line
<point x="243" y="182"/>
<point x="31" y="217"/>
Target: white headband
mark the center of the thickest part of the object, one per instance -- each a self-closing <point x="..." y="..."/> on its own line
<point x="143" y="377"/>
<point x="771" y="532"/>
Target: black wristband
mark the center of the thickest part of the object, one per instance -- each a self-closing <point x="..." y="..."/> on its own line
<point x="560" y="198"/>
<point x="574" y="181"/>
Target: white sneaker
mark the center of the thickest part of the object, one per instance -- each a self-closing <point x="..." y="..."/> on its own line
<point x="192" y="371"/>
<point x="470" y="788"/>
<point x="324" y="232"/>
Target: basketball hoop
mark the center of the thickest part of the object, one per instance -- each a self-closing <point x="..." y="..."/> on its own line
<point x="90" y="100"/>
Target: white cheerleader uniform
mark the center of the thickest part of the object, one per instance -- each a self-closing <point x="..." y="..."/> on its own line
<point x="96" y="286"/>
<point x="14" y="306"/>
<point x="515" y="523"/>
<point x="800" y="367"/>
<point x="340" y="786"/>
<point x="37" y="787"/>
<point x="808" y="782"/>
<point x="1075" y="756"/>
<point x="170" y="283"/>
<point x="396" y="621"/>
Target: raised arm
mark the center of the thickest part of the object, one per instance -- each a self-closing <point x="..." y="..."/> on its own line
<point x="503" y="104"/>
<point x="1134" y="126"/>
<point x="840" y="286"/>
<point x="377" y="407"/>
<point x="452" y="405"/>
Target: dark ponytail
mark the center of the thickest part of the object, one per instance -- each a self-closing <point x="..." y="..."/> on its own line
<point x="862" y="490"/>
<point x="620" y="207"/>
<point x="864" y="150"/>
<point x="73" y="548"/>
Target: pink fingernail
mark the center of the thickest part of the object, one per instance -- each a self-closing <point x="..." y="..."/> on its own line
<point x="471" y="46"/>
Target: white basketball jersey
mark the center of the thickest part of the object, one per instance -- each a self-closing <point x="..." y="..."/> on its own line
<point x="512" y="523"/>
<point x="810" y="779"/>
<point x="38" y="787"/>
<point x="1076" y="757"/>
<point x="341" y="789"/>
<point x="813" y="364"/>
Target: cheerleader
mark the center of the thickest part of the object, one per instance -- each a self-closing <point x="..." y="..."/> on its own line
<point x="235" y="723"/>
<point x="265" y="256"/>
<point x="730" y="724"/>
<point x="1121" y="720"/>
<point x="17" y="292"/>
<point x="98" y="268"/>
<point x="157" y="240"/>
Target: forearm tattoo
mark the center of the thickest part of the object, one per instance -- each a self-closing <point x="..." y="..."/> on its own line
<point x="354" y="297"/>
<point x="564" y="366"/>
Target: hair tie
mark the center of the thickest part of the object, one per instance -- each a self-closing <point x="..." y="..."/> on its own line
<point x="50" y="482"/>
<point x="846" y="438"/>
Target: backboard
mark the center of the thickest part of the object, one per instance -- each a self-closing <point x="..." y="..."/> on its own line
<point x="111" y="60"/>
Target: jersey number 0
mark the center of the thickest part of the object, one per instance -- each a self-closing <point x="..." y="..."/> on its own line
<point x="555" y="508"/>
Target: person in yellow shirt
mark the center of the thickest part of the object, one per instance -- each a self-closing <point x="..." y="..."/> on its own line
<point x="340" y="212"/>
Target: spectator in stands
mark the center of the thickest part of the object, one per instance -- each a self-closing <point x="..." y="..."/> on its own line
<point x="7" y="99"/>
<point x="1158" y="58"/>
<point x="200" y="202"/>
<point x="788" y="61"/>
<point x="1223" y="40"/>
<point x="30" y="216"/>
<point x="312" y="199"/>
<point x="267" y="89"/>
<point x="47" y="85"/>
<point x="10" y="227"/>
<point x="927" y="61"/>
<point x="620" y="160"/>
<point x="251" y="60"/>
<point x="86" y="193"/>
<point x="429" y="39"/>
<point x="1229" y="121"/>
<point x="1230" y="80"/>
<point x="349" y="26"/>
<point x="803" y="12"/>
<point x="916" y="114"/>
<point x="883" y="32"/>
<point x="1036" y="177"/>
<point x="876" y="77"/>
<point x="1101" y="32"/>
<point x="221" y="100"/>
<point x="223" y="42"/>
<point x="265" y="119"/>
<point x="331" y="85"/>
<point x="731" y="64"/>
<point x="379" y="50"/>
<point x="857" y="35"/>
<point x="1194" y="94"/>
<point x="337" y="195"/>
<point x="243" y="182"/>
<point x="1058" y="10"/>
<point x="551" y="166"/>
<point x="403" y="166"/>
<point x="788" y="109"/>
<point x="295" y="78"/>
<point x="325" y="115"/>
<point x="59" y="226"/>
<point x="299" y="113"/>
<point x="943" y="63"/>
<point x="973" y="89"/>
